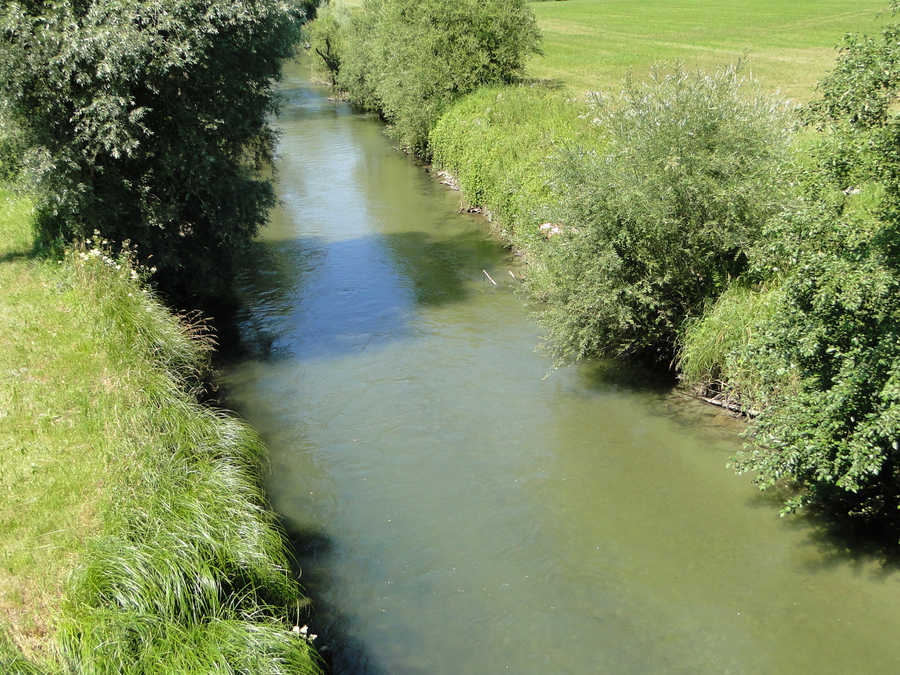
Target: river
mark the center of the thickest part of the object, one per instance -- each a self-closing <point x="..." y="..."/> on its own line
<point x="457" y="505"/>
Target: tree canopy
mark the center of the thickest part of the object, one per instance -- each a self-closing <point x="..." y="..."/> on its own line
<point x="148" y="121"/>
<point x="409" y="59"/>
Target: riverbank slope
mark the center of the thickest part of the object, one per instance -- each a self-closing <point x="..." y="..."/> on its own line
<point x="136" y="536"/>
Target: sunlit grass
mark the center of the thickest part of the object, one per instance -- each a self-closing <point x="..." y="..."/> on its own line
<point x="53" y="455"/>
<point x="134" y="535"/>
<point x="592" y="44"/>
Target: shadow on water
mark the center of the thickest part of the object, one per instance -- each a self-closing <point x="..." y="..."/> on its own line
<point x="312" y="298"/>
<point x="340" y="650"/>
<point x="868" y="547"/>
<point x="613" y="376"/>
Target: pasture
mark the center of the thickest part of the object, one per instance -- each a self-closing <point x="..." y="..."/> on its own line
<point x="788" y="46"/>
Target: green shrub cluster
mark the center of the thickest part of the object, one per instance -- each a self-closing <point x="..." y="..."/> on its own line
<point x="660" y="220"/>
<point x="686" y="212"/>
<point x="409" y="59"/>
<point x="149" y="121"/>
<point x="826" y="355"/>
<point x="651" y="197"/>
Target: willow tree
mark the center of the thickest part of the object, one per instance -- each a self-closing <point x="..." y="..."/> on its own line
<point x="148" y="120"/>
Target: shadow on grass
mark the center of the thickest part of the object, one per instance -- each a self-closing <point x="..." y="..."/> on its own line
<point x="542" y="82"/>
<point x="340" y="650"/>
<point x="18" y="255"/>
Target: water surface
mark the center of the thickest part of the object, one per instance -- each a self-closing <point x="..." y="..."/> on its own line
<point x="457" y="506"/>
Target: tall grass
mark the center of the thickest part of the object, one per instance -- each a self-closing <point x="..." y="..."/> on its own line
<point x="186" y="570"/>
<point x="499" y="143"/>
<point x="714" y="355"/>
<point x="191" y="574"/>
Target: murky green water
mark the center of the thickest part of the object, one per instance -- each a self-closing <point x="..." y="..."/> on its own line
<point x="457" y="511"/>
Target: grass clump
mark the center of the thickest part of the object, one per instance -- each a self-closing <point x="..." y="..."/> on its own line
<point x="136" y="534"/>
<point x="713" y="357"/>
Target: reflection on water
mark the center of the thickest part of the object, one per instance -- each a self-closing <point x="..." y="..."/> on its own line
<point x="457" y="510"/>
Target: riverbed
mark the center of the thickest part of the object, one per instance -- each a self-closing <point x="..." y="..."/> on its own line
<point x="460" y="506"/>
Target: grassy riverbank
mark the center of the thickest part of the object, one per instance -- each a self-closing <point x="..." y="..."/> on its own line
<point x="136" y="537"/>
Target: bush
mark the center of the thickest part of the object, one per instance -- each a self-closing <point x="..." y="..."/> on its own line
<point x="834" y="252"/>
<point x="825" y="357"/>
<point x="409" y="59"/>
<point x="150" y="123"/>
<point x="657" y="223"/>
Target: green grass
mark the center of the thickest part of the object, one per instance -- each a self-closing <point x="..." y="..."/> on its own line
<point x="498" y="143"/>
<point x="135" y="534"/>
<point x="713" y="355"/>
<point x="592" y="44"/>
<point x="52" y="454"/>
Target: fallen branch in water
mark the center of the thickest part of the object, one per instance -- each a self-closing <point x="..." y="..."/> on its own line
<point x="489" y="277"/>
<point x="728" y="405"/>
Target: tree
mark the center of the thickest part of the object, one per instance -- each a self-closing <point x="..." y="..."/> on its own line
<point x="657" y="221"/>
<point x="409" y="59"/>
<point x="148" y="121"/>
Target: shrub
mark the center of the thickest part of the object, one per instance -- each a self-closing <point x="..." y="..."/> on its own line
<point x="409" y="59"/>
<point x="657" y="223"/>
<point x="834" y="331"/>
<point x="149" y="122"/>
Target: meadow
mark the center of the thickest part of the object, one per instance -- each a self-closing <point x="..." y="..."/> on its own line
<point x="788" y="46"/>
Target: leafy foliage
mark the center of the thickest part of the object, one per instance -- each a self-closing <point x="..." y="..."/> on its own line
<point x="148" y="120"/>
<point x="326" y="36"/>
<point x="409" y="59"/>
<point x="837" y="330"/>
<point x="656" y="224"/>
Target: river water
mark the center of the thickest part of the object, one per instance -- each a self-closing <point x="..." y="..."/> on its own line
<point x="459" y="507"/>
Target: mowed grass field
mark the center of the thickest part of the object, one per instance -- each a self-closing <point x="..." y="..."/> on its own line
<point x="54" y="445"/>
<point x="788" y="44"/>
